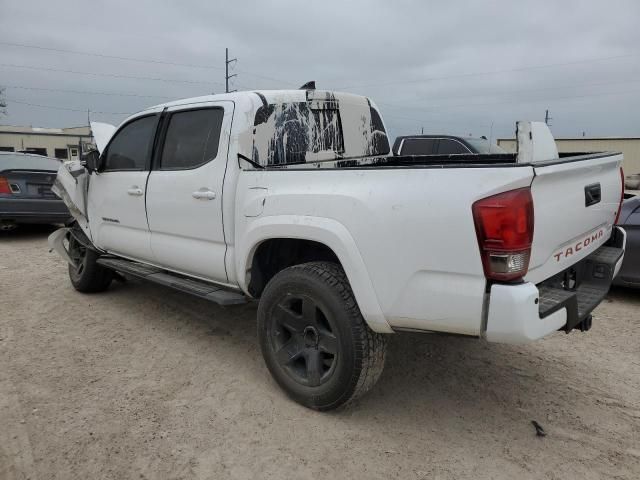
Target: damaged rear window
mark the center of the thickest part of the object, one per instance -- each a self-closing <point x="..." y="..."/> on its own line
<point x="299" y="128"/>
<point x="326" y="127"/>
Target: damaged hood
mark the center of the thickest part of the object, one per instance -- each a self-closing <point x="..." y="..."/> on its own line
<point x="102" y="133"/>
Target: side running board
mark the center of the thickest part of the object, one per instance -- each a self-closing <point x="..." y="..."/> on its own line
<point x="199" y="288"/>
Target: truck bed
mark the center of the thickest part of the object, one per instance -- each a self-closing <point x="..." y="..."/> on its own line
<point x="440" y="161"/>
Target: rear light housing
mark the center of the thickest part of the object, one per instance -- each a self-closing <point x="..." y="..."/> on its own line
<point x="504" y="227"/>
<point x="4" y="186"/>
<point x="621" y="197"/>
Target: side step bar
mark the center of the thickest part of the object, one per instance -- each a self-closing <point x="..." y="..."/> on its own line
<point x="199" y="288"/>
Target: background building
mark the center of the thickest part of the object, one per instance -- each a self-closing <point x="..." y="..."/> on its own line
<point x="62" y="143"/>
<point x="630" y="147"/>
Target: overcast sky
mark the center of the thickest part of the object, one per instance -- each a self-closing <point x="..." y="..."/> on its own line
<point x="448" y="67"/>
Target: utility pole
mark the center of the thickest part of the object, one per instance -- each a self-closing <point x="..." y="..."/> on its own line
<point x="226" y="69"/>
<point x="547" y="118"/>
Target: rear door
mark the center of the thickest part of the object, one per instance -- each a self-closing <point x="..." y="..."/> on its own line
<point x="116" y="205"/>
<point x="450" y="146"/>
<point x="576" y="200"/>
<point x="184" y="193"/>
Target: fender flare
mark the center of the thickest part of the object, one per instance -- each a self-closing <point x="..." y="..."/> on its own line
<point x="322" y="230"/>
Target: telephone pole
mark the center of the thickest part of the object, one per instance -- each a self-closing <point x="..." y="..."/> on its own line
<point x="227" y="61"/>
<point x="547" y="117"/>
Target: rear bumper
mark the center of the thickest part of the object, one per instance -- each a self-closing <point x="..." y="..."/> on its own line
<point x="526" y="312"/>
<point x="33" y="210"/>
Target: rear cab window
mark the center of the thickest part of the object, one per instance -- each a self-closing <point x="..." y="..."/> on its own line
<point x="326" y="127"/>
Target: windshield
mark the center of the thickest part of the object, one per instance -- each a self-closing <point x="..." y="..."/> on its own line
<point x="482" y="145"/>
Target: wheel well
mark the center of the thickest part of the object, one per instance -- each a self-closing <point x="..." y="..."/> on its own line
<point x="276" y="254"/>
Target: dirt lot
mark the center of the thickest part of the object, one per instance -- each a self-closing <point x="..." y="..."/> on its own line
<point x="143" y="382"/>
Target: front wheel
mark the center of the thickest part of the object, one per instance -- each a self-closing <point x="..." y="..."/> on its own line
<point x="313" y="338"/>
<point x="87" y="276"/>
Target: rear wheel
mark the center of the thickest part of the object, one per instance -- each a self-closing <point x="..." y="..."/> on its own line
<point x="313" y="338"/>
<point x="87" y="276"/>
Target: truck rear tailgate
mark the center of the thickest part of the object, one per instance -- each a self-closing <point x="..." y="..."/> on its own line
<point x="576" y="200"/>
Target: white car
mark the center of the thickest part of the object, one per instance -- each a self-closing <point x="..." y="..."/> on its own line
<point x="292" y="198"/>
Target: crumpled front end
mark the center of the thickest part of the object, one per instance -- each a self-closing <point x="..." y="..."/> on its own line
<point x="71" y="186"/>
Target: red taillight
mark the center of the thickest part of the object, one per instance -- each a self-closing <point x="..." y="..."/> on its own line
<point x="4" y="186"/>
<point x="504" y="226"/>
<point x="621" y="197"/>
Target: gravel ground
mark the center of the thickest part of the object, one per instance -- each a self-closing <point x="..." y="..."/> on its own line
<point x="144" y="382"/>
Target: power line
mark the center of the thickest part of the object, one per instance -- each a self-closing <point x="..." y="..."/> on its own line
<point x="508" y="102"/>
<point x="134" y="59"/>
<point x="512" y="92"/>
<point x="278" y="80"/>
<point x="437" y="122"/>
<point x="85" y="92"/>
<point x="64" y="108"/>
<point x="115" y="57"/>
<point x="112" y="75"/>
<point x="491" y="72"/>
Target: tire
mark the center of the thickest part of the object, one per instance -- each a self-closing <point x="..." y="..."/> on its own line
<point x="88" y="277"/>
<point x="313" y="338"/>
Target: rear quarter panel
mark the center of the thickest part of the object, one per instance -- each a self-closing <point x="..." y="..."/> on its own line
<point x="413" y="229"/>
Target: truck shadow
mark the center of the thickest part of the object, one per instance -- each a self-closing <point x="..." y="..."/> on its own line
<point x="433" y="379"/>
<point x="623" y="294"/>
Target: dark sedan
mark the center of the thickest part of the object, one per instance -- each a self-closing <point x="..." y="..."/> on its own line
<point x="25" y="190"/>
<point x="629" y="275"/>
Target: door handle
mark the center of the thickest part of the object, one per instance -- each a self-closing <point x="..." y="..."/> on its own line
<point x="204" y="194"/>
<point x="135" y="191"/>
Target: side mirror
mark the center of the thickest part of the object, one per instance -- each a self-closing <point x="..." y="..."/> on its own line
<point x="91" y="160"/>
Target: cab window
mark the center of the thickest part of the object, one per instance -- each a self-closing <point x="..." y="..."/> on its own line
<point x="451" y="147"/>
<point x="418" y="146"/>
<point x="192" y="138"/>
<point x="129" y="149"/>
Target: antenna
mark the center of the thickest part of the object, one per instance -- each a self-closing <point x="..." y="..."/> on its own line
<point x="547" y="118"/>
<point x="490" y="135"/>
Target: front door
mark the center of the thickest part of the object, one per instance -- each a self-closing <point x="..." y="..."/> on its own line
<point x="184" y="191"/>
<point x="116" y="206"/>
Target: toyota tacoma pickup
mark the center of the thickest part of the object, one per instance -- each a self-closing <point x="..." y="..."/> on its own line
<point x="293" y="199"/>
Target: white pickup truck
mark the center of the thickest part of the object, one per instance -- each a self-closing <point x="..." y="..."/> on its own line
<point x="292" y="198"/>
